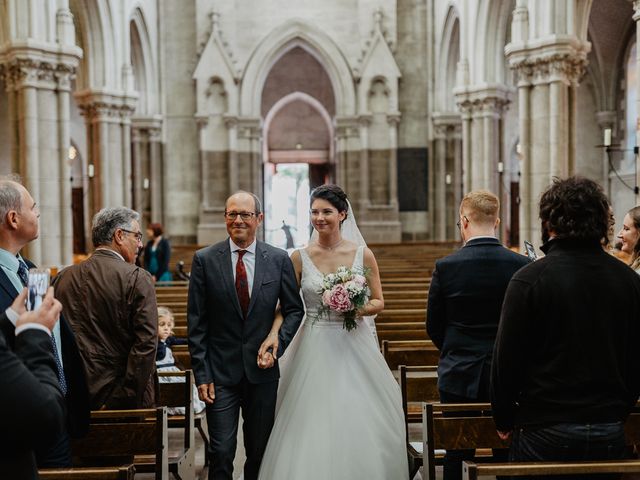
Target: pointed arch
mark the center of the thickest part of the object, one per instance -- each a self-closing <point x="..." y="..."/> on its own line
<point x="292" y="34"/>
<point x="144" y="64"/>
<point x="449" y="58"/>
<point x="94" y="26"/>
<point x="494" y="22"/>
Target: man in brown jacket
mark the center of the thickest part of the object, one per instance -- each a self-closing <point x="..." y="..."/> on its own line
<point x="111" y="305"/>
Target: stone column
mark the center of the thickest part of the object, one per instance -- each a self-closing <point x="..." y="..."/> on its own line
<point x="364" y="122"/>
<point x="232" y="132"/>
<point x="108" y="117"/>
<point x="547" y="79"/>
<point x="156" y="175"/>
<point x="393" y="121"/>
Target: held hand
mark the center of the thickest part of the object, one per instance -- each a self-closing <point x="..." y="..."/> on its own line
<point x="46" y="315"/>
<point x="266" y="361"/>
<point x="504" y="435"/>
<point x="207" y="393"/>
<point x="272" y="342"/>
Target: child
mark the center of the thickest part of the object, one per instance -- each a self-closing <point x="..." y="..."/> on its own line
<point x="164" y="357"/>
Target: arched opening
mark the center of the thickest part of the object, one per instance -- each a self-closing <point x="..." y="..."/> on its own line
<point x="298" y="106"/>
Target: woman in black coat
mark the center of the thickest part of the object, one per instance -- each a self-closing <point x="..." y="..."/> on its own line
<point x="157" y="253"/>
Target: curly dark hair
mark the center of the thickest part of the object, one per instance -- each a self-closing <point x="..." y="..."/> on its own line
<point x="576" y="208"/>
<point x="332" y="194"/>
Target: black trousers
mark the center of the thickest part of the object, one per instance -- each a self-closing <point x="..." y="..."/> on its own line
<point x="258" y="404"/>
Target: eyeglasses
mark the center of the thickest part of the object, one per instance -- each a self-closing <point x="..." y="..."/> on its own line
<point x="138" y="235"/>
<point x="459" y="224"/>
<point x="243" y="215"/>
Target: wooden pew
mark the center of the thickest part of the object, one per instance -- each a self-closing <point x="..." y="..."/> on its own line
<point x="456" y="431"/>
<point x="126" y="433"/>
<point x="125" y="472"/>
<point x="179" y="394"/>
<point x="418" y="384"/>
<point x="410" y="352"/>
<point x="471" y="470"/>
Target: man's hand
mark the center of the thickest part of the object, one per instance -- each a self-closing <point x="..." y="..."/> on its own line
<point x="504" y="435"/>
<point x="46" y="315"/>
<point x="207" y="393"/>
<point x="19" y="305"/>
<point x="266" y="361"/>
<point x="268" y="351"/>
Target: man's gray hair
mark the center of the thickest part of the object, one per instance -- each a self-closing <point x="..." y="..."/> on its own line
<point x="10" y="196"/>
<point x="108" y="220"/>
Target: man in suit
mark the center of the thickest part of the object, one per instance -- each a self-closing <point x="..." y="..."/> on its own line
<point x="234" y="290"/>
<point x="19" y="225"/>
<point x="465" y="298"/>
<point x="111" y="305"/>
<point x="31" y="403"/>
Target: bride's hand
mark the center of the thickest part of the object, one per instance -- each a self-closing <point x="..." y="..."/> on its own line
<point x="267" y="358"/>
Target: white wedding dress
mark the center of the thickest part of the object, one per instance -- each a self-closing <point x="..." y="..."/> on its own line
<point x="340" y="408"/>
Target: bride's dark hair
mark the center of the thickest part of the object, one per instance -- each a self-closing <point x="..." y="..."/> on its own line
<point x="332" y="194"/>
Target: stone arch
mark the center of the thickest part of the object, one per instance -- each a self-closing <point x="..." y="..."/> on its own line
<point x="449" y="58"/>
<point x="290" y="35"/>
<point x="143" y="63"/>
<point x="494" y="22"/>
<point x="283" y="103"/>
<point x="95" y="33"/>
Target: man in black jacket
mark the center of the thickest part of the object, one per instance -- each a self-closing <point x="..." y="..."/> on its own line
<point x="31" y="403"/>
<point x="565" y="371"/>
<point x="465" y="298"/>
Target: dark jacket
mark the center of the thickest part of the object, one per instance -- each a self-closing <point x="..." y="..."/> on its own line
<point x="465" y="298"/>
<point x="223" y="345"/>
<point x="567" y="345"/>
<point x="111" y="306"/>
<point x="31" y="403"/>
<point x="163" y="254"/>
<point x="77" y="399"/>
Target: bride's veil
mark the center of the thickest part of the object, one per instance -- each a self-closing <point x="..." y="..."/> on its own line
<point x="350" y="231"/>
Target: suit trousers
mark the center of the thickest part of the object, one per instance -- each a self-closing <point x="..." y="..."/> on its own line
<point x="258" y="404"/>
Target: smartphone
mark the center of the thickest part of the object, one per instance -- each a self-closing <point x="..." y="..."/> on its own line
<point x="37" y="287"/>
<point x="531" y="252"/>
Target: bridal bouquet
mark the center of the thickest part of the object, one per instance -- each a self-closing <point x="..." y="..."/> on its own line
<point x="345" y="291"/>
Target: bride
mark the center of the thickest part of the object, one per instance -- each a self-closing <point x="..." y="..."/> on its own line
<point x="340" y="414"/>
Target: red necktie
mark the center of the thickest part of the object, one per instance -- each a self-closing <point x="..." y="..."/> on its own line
<point x="242" y="284"/>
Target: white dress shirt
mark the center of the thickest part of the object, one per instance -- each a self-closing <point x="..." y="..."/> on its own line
<point x="249" y="260"/>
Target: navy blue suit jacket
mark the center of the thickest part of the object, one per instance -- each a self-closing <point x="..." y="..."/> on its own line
<point x="77" y="399"/>
<point x="223" y="345"/>
<point x="463" y="311"/>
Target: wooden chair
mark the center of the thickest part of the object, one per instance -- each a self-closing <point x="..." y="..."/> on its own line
<point x="125" y="472"/>
<point x="409" y="352"/>
<point x="450" y="427"/>
<point x="418" y="384"/>
<point x="179" y="394"/>
<point x="124" y="433"/>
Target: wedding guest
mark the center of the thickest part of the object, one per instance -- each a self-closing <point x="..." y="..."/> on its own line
<point x="465" y="298"/>
<point x="565" y="372"/>
<point x="629" y="235"/>
<point x="111" y="305"/>
<point x="165" y="362"/>
<point x="19" y="226"/>
<point x="157" y="253"/>
<point x="32" y="401"/>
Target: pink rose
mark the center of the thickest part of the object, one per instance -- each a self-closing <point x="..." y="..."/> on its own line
<point x="339" y="299"/>
<point x="326" y="297"/>
<point x="360" y="280"/>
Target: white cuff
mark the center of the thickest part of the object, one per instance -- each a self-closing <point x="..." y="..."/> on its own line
<point x="32" y="326"/>
<point x="12" y="315"/>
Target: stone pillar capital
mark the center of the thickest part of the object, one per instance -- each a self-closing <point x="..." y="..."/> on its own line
<point x="99" y="105"/>
<point x="486" y="100"/>
<point x="562" y="60"/>
<point x="201" y="120"/>
<point x="393" y="119"/>
<point x="364" y="120"/>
